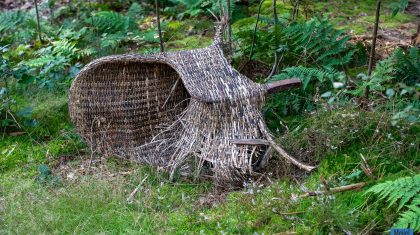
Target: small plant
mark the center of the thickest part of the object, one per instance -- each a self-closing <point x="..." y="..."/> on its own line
<point x="406" y="190"/>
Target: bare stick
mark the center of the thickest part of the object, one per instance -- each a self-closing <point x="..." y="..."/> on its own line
<point x="37" y="20"/>
<point x="325" y="183"/>
<point x="276" y="41"/>
<point x="158" y="25"/>
<point x="334" y="190"/>
<point x="132" y="194"/>
<point x="255" y="31"/>
<point x="372" y="49"/>
<point x="281" y="151"/>
<point x="229" y="25"/>
<point x="289" y="213"/>
<point x="366" y="169"/>
<point x="265" y="158"/>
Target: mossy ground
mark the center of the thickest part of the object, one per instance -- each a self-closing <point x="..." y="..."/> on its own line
<point x="93" y="199"/>
<point x="84" y="198"/>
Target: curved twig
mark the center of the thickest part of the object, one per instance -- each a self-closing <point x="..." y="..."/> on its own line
<point x="281" y="151"/>
<point x="255" y="31"/>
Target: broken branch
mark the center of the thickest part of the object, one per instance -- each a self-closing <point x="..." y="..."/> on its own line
<point x="281" y="151"/>
<point x="334" y="190"/>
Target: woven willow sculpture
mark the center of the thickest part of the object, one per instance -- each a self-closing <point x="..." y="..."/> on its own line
<point x="176" y="111"/>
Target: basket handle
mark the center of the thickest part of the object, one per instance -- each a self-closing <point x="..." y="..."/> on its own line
<point x="282" y="85"/>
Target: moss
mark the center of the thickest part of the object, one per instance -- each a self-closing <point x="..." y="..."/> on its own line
<point x="194" y="41"/>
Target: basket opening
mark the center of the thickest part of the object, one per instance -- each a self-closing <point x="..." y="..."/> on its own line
<point x="133" y="100"/>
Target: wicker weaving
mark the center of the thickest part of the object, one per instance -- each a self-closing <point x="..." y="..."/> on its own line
<point x="177" y="111"/>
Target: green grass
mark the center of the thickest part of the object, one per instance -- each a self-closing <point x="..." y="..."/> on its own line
<point x="96" y="202"/>
<point x="80" y="198"/>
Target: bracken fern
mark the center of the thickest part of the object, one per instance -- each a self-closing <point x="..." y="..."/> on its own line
<point x="406" y="190"/>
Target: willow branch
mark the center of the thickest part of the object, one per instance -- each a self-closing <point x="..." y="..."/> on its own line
<point x="254" y="38"/>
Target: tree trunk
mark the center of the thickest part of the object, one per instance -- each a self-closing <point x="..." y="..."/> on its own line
<point x="372" y="50"/>
<point x="158" y="25"/>
<point x="255" y="31"/>
<point x="229" y="25"/>
<point x="37" y="20"/>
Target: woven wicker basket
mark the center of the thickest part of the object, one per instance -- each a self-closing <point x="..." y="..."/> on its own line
<point x="178" y="110"/>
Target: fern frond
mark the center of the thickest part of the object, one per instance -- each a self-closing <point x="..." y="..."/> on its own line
<point x="39" y="62"/>
<point x="308" y="74"/>
<point x="317" y="42"/>
<point x="10" y="19"/>
<point x="65" y="48"/>
<point x="410" y="219"/>
<point x="404" y="189"/>
<point x="109" y="22"/>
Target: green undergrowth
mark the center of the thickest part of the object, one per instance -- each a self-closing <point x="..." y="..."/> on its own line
<point x="353" y="15"/>
<point x="76" y="201"/>
<point x="50" y="182"/>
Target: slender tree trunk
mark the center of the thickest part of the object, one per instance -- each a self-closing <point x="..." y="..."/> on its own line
<point x="276" y="41"/>
<point x="158" y="25"/>
<point x="372" y="50"/>
<point x="51" y="7"/>
<point x="37" y="20"/>
<point x="295" y="11"/>
<point x="229" y="25"/>
<point x="255" y="31"/>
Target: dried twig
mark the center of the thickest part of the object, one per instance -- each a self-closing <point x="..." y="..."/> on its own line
<point x="289" y="213"/>
<point x="325" y="183"/>
<point x="366" y="169"/>
<point x="281" y="151"/>
<point x="265" y="158"/>
<point x="132" y="194"/>
<point x="334" y="190"/>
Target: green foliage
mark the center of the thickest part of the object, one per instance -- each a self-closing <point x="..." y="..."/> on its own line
<point x="315" y="53"/>
<point x="10" y="19"/>
<point x="109" y="22"/>
<point x="194" y="8"/>
<point x="401" y="5"/>
<point x="406" y="190"/>
<point x="407" y="65"/>
<point x="329" y="130"/>
<point x="307" y="75"/>
<point x="317" y="42"/>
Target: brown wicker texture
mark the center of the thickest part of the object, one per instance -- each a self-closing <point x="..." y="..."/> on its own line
<point x="177" y="111"/>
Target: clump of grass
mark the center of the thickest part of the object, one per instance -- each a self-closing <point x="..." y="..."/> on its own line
<point x="93" y="205"/>
<point x="331" y="131"/>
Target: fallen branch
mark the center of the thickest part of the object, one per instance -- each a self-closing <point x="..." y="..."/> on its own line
<point x="281" y="151"/>
<point x="334" y="190"/>
<point x="289" y="213"/>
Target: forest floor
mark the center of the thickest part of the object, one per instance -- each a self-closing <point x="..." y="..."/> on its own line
<point x="50" y="182"/>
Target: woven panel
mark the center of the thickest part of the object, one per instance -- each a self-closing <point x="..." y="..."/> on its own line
<point x="123" y="105"/>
